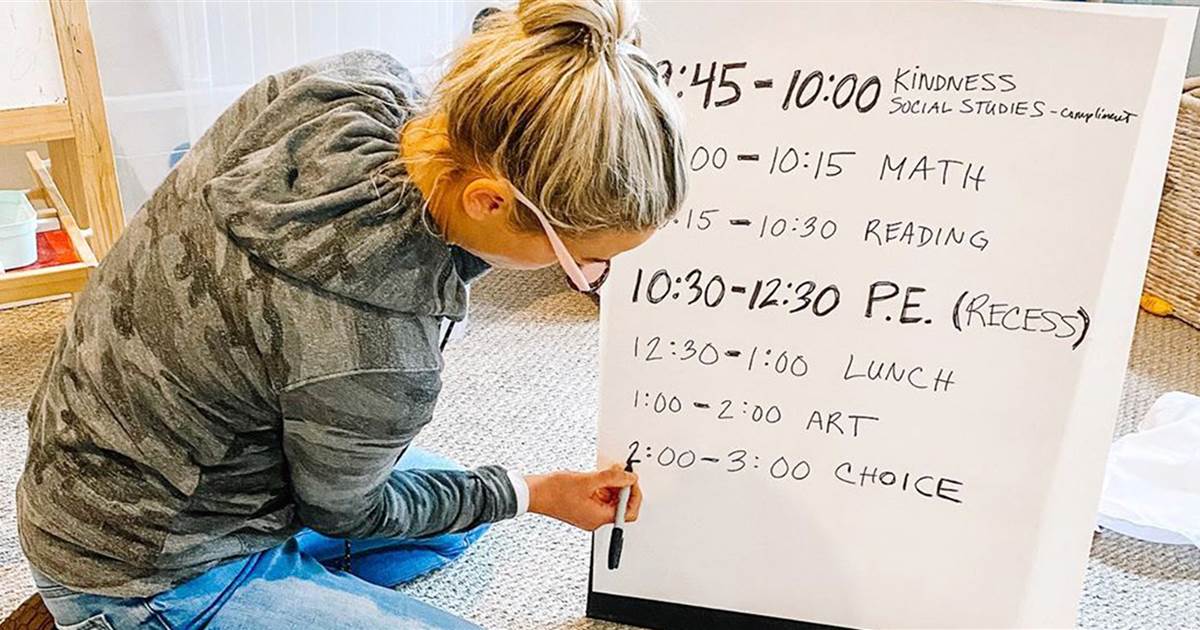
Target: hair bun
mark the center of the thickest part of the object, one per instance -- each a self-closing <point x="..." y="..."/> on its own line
<point x="595" y="25"/>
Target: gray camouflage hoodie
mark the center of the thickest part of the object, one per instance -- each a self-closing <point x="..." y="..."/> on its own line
<point x="256" y="352"/>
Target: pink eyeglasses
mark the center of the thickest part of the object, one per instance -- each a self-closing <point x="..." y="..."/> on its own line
<point x="585" y="278"/>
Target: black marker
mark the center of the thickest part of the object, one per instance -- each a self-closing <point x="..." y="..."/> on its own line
<point x="618" y="534"/>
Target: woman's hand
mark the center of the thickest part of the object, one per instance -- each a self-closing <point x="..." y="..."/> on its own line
<point x="585" y="500"/>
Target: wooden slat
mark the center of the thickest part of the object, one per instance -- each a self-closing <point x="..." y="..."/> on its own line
<point x="64" y="168"/>
<point x="43" y="274"/>
<point x="37" y="194"/>
<point x="27" y="285"/>
<point x="35" y="124"/>
<point x="97" y="171"/>
<point x="41" y="175"/>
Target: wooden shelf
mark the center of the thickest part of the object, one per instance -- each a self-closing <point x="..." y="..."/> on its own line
<point x="75" y="131"/>
<point x="78" y="186"/>
<point x="35" y="124"/>
<point x="44" y="278"/>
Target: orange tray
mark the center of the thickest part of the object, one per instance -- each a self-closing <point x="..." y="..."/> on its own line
<point x="54" y="249"/>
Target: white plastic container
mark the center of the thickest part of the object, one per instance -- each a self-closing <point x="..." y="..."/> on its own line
<point x="18" y="230"/>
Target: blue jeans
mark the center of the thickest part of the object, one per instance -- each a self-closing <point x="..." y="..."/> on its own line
<point x="294" y="585"/>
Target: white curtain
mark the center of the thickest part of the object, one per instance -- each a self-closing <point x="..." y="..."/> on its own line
<point x="170" y="67"/>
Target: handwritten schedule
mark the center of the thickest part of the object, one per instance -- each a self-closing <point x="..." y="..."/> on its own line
<point x="854" y="368"/>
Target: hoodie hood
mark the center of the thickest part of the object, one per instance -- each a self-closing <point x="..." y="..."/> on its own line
<point x="313" y="188"/>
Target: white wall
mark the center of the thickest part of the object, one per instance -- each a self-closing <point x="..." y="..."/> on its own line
<point x="14" y="174"/>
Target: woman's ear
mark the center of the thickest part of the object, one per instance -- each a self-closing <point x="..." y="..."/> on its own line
<point x="485" y="199"/>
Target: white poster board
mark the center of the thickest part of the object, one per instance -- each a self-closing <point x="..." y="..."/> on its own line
<point x="871" y="371"/>
<point x="30" y="73"/>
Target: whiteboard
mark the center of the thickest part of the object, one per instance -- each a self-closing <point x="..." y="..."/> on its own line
<point x="871" y="371"/>
<point x="30" y="74"/>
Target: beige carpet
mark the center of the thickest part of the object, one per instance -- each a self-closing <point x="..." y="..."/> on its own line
<point x="520" y="391"/>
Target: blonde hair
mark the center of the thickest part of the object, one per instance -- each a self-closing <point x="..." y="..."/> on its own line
<point x="557" y="98"/>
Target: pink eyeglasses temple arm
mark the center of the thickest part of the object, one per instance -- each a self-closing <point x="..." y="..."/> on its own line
<point x="570" y="267"/>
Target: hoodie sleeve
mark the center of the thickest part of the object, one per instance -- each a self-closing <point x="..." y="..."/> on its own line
<point x="342" y="438"/>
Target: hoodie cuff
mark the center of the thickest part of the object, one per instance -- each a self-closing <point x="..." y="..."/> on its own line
<point x="521" y="489"/>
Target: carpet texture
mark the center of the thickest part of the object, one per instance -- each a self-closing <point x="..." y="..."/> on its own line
<point x="520" y="391"/>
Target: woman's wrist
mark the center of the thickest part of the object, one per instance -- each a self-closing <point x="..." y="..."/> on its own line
<point x="537" y="493"/>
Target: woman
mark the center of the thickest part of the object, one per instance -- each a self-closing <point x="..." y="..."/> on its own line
<point x="217" y="441"/>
